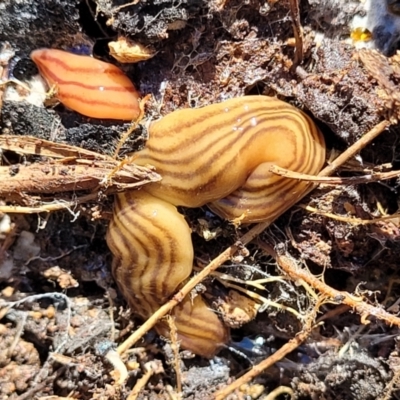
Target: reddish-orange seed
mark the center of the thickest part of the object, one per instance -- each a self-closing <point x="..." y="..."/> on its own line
<point x="91" y="87"/>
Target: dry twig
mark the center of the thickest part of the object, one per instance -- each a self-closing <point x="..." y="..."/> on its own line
<point x="353" y="180"/>
<point x="298" y="32"/>
<point x="175" y="350"/>
<point x="350" y="220"/>
<point x="151" y="367"/>
<point x="68" y="169"/>
<point x="77" y="174"/>
<point x="332" y="295"/>
<point x="271" y="360"/>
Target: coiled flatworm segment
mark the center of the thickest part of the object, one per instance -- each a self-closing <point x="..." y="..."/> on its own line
<point x="153" y="242"/>
<point x="153" y="255"/>
<point x="199" y="328"/>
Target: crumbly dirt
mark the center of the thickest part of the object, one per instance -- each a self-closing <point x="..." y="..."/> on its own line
<point x="61" y="311"/>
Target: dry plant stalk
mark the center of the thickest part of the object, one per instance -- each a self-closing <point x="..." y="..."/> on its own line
<point x="151" y="368"/>
<point x="298" y="32"/>
<point x="391" y="387"/>
<point x="350" y="220"/>
<point x="175" y="349"/>
<point x="274" y="358"/>
<point x="353" y="180"/>
<point x="140" y="384"/>
<point x="331" y="295"/>
<point x="71" y="175"/>
<point x="120" y="373"/>
<point x="68" y="169"/>
<point x="279" y="391"/>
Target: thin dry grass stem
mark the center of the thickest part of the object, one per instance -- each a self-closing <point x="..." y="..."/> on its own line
<point x="279" y="391"/>
<point x="30" y="145"/>
<point x="355" y="148"/>
<point x="245" y="239"/>
<point x="287" y="348"/>
<point x="308" y="289"/>
<point x="289" y="266"/>
<point x="129" y="160"/>
<point x="264" y="302"/>
<point x="353" y="180"/>
<point x="257" y="283"/>
<point x="393" y="386"/>
<point x="133" y="126"/>
<point x="351" y="152"/>
<point x="350" y="220"/>
<point x="47" y="208"/>
<point x="392" y="282"/>
<point x="171" y="393"/>
<point x="175" y="349"/>
<point x="19" y="331"/>
<point x="151" y="368"/>
<point x="15" y="82"/>
<point x="140" y="384"/>
<point x="117" y="168"/>
<point x="119" y="8"/>
<point x="298" y="32"/>
<point x="339" y="310"/>
<point x="111" y="313"/>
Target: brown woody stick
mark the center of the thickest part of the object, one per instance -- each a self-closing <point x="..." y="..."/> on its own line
<point x="56" y="177"/>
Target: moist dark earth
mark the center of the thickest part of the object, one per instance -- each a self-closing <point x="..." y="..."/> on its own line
<point x="60" y="309"/>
